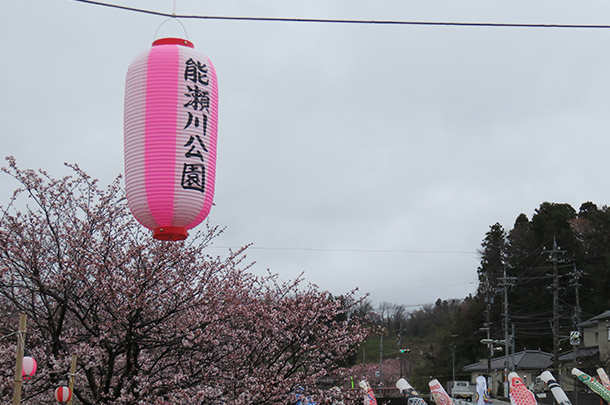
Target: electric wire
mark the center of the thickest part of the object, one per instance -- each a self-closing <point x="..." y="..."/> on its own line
<point x="348" y="250"/>
<point x="348" y="21"/>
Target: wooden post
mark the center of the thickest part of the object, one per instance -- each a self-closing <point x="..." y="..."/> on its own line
<point x="19" y="366"/>
<point x="71" y="381"/>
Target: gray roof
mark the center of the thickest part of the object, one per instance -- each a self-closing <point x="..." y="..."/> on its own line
<point x="593" y="321"/>
<point x="583" y="352"/>
<point x="525" y="360"/>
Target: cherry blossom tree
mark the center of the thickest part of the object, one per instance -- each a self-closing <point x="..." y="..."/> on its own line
<point x="154" y="322"/>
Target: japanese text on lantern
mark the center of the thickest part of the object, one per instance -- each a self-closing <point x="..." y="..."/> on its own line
<point x="197" y="105"/>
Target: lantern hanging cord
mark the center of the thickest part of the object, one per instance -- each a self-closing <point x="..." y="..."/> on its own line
<point x="169" y="19"/>
<point x="338" y="21"/>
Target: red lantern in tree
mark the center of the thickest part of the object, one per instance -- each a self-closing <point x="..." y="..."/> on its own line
<point x="28" y="368"/>
<point x="63" y="394"/>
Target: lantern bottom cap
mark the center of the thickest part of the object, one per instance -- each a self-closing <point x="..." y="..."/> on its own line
<point x="172" y="233"/>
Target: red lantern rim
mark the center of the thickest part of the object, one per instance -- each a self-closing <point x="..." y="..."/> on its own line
<point x="173" y="41"/>
<point x="172" y="233"/>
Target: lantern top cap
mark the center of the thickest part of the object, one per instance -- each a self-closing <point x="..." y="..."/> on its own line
<point x="173" y="41"/>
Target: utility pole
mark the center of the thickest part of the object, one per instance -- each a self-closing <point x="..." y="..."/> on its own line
<point x="574" y="282"/>
<point x="512" y="343"/>
<point x="555" y="324"/>
<point x="505" y="284"/>
<point x="489" y="299"/>
<point x="363" y="360"/>
<point x="575" y="339"/>
<point x="453" y="364"/>
<point x="505" y="315"/>
<point x="453" y="337"/>
<point x="399" y="341"/>
<point x="380" y="358"/>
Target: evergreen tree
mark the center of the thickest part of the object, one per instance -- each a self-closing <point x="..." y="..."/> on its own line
<point x="592" y="230"/>
<point x="493" y="257"/>
<point x="530" y="298"/>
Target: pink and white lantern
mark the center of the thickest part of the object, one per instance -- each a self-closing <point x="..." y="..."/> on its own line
<point x="63" y="394"/>
<point x="170" y="124"/>
<point x="28" y="367"/>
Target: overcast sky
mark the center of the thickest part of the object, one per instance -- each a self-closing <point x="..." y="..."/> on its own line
<point x="370" y="156"/>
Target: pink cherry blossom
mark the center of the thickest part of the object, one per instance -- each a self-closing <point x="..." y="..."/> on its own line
<point x="154" y="322"/>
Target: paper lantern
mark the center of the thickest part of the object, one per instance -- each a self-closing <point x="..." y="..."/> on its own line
<point x="63" y="394"/>
<point x="170" y="128"/>
<point x="29" y="366"/>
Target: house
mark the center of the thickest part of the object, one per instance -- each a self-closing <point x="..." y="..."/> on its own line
<point x="591" y="354"/>
<point x="529" y="364"/>
<point x="596" y="333"/>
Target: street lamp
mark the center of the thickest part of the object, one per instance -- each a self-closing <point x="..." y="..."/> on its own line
<point x="493" y="341"/>
<point x="453" y="357"/>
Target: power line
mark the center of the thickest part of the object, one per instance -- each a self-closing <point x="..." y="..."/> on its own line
<point x="346" y="250"/>
<point x="343" y="21"/>
<point x="397" y="289"/>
